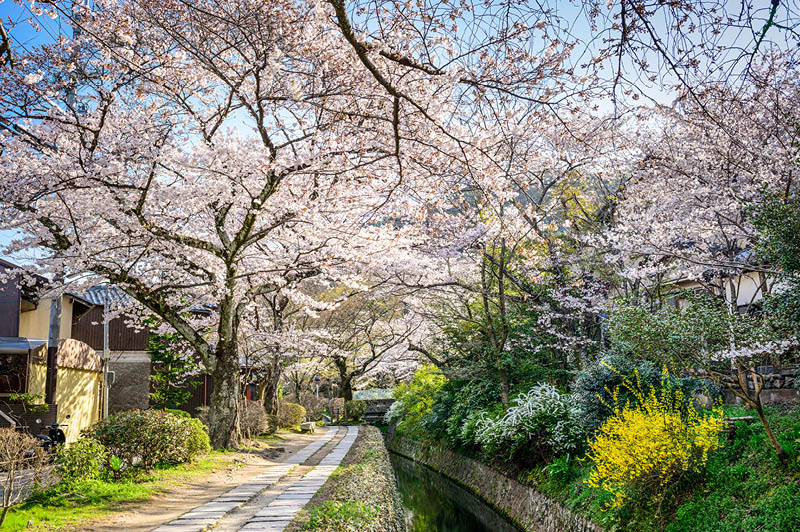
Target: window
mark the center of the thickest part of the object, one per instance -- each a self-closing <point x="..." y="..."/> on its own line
<point x="13" y="373"/>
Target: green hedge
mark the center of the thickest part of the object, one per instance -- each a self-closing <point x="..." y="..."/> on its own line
<point x="290" y="414"/>
<point x="145" y="438"/>
<point x="354" y="410"/>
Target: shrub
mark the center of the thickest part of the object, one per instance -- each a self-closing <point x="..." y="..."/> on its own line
<point x="647" y="446"/>
<point x="144" y="438"/>
<point x="313" y="405"/>
<point x="253" y="419"/>
<point x="18" y="452"/>
<point x="179" y="413"/>
<point x="469" y="400"/>
<point x="595" y="386"/>
<point x="418" y="397"/>
<point x="80" y="460"/>
<point x="337" y="408"/>
<point x="290" y="414"/>
<point x="199" y="442"/>
<point x="540" y="424"/>
<point x="354" y="410"/>
<point x="395" y="412"/>
<point x="202" y="414"/>
<point x="272" y="424"/>
<point x="468" y="435"/>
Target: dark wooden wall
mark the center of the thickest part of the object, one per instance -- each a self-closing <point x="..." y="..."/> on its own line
<point x="120" y="336"/>
<point x="201" y="394"/>
<point x="9" y="305"/>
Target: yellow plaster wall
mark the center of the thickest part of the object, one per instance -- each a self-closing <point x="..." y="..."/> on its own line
<point x="78" y="395"/>
<point x="36" y="323"/>
<point x="37" y="378"/>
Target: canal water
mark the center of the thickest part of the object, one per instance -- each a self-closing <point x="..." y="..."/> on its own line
<point x="435" y="504"/>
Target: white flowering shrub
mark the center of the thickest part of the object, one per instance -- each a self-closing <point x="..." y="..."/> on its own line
<point x="394" y="414"/>
<point x="468" y="436"/>
<point x="540" y="424"/>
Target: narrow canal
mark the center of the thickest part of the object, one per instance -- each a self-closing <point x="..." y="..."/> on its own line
<point x="435" y="504"/>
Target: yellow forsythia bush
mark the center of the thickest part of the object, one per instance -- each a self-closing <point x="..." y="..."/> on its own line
<point x="643" y="447"/>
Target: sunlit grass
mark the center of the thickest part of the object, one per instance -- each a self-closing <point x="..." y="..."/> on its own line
<point x="60" y="506"/>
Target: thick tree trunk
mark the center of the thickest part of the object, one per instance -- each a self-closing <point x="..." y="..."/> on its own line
<point x="347" y="388"/>
<point x="223" y="417"/>
<point x="347" y="379"/>
<point x="271" y="389"/>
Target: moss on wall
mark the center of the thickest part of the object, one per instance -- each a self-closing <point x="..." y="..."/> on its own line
<point x="522" y="504"/>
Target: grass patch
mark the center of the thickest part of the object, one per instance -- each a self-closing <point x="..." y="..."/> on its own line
<point x="61" y="506"/>
<point x="354" y="515"/>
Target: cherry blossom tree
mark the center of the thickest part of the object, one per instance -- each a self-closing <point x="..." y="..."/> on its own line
<point x="202" y="163"/>
<point x="685" y="211"/>
<point x="366" y="334"/>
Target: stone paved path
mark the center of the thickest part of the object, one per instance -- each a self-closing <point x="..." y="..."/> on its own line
<point x="282" y="489"/>
<point x="279" y="513"/>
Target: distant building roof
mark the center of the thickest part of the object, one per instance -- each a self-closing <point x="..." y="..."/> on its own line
<point x="373" y="394"/>
<point x="104" y="294"/>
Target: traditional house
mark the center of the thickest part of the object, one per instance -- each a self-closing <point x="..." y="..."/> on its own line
<point x="37" y="389"/>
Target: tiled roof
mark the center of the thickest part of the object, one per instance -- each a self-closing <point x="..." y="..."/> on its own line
<point x="103" y="294"/>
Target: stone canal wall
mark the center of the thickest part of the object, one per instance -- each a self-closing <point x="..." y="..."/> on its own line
<point x="522" y="504"/>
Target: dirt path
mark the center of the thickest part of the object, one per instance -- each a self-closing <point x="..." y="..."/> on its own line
<point x="173" y="501"/>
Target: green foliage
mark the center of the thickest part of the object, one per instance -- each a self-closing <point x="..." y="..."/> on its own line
<point x="198" y="442"/>
<point x="745" y="489"/>
<point x="777" y="220"/>
<point x="417" y="398"/>
<point x="354" y="410"/>
<point x="290" y="414"/>
<point x="145" y="438"/>
<point x="594" y="385"/>
<point x="173" y="368"/>
<point x="34" y="402"/>
<point x="688" y="336"/>
<point x="66" y="506"/>
<point x="562" y="469"/>
<point x="115" y="464"/>
<point x="179" y="413"/>
<point x="454" y="404"/>
<point x="344" y="516"/>
<point x="80" y="460"/>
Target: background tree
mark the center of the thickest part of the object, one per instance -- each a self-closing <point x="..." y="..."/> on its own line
<point x="173" y="369"/>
